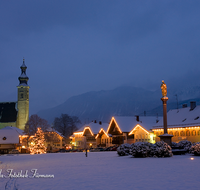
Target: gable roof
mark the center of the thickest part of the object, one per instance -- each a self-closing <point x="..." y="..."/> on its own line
<point x="182" y="117"/>
<point x="127" y="123"/>
<point x="8" y="112"/>
<point x="11" y="135"/>
<point x="95" y="127"/>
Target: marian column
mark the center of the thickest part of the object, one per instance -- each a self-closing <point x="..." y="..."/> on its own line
<point x="165" y="137"/>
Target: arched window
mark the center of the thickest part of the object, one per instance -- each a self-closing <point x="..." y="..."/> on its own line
<point x="182" y="133"/>
<point x="161" y="133"/>
<point x="188" y="133"/>
<point x="199" y="132"/>
<point x="140" y="136"/>
<point x="171" y="133"/>
<point x="136" y="136"/>
<point x="176" y="134"/>
<point x="193" y="133"/>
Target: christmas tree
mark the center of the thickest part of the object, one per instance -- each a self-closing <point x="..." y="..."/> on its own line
<point x="36" y="145"/>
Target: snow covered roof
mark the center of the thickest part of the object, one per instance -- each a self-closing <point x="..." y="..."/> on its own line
<point x="127" y="123"/>
<point x="95" y="127"/>
<point x="10" y="135"/>
<point x="50" y="129"/>
<point x="183" y="117"/>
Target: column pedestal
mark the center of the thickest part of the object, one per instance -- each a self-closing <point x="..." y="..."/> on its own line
<point x="165" y="137"/>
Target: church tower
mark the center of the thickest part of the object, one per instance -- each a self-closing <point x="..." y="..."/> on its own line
<point x="23" y="98"/>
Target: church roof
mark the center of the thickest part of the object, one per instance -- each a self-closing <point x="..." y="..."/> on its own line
<point x="8" y="112"/>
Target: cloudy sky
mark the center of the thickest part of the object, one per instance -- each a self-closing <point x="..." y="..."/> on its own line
<point x="71" y="47"/>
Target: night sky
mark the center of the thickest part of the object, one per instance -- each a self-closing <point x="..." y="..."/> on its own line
<point x="72" y="47"/>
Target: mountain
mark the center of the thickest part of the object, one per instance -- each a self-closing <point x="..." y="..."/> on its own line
<point x="102" y="105"/>
<point x="123" y="101"/>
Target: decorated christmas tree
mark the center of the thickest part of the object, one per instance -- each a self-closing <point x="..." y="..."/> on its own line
<point x="36" y="145"/>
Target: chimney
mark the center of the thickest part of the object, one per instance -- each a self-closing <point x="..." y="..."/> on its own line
<point x="100" y="122"/>
<point x="192" y="105"/>
<point x="184" y="106"/>
<point x="95" y="121"/>
<point x="137" y="118"/>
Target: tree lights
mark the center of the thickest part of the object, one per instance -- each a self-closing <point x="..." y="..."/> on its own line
<point x="36" y="146"/>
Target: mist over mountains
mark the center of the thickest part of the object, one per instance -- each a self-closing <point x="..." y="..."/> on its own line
<point x="121" y="101"/>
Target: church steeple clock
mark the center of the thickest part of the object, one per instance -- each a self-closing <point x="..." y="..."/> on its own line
<point x="23" y="98"/>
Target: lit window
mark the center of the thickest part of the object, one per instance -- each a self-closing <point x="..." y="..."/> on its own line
<point x="194" y="133"/>
<point x="176" y="133"/>
<point x="187" y="133"/>
<point x="182" y="133"/>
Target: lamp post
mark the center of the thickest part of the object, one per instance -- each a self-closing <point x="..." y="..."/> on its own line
<point x="165" y="137"/>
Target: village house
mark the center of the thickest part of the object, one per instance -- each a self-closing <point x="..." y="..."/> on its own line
<point x="182" y="123"/>
<point x="12" y="138"/>
<point x="85" y="136"/>
<point x="54" y="141"/>
<point x="130" y="129"/>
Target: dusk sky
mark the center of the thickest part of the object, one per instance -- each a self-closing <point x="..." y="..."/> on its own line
<point x="72" y="47"/>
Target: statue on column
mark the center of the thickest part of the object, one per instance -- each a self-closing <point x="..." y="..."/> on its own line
<point x="164" y="89"/>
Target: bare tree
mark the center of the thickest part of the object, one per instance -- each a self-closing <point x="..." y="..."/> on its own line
<point x="66" y="124"/>
<point x="34" y="123"/>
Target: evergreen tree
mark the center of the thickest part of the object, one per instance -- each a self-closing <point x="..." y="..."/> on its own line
<point x="36" y="145"/>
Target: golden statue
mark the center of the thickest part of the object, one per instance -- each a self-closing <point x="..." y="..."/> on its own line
<point x="164" y="89"/>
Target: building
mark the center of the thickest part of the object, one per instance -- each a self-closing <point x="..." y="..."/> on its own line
<point x="54" y="141"/>
<point x="121" y="129"/>
<point x="129" y="129"/>
<point x="85" y="137"/>
<point x="16" y="114"/>
<point x="11" y="138"/>
<point x="183" y="124"/>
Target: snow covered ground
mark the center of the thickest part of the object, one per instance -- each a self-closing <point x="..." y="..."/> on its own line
<point x="101" y="170"/>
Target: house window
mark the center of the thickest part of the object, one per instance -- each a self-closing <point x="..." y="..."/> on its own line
<point x="187" y="133"/>
<point x="176" y="134"/>
<point x="182" y="133"/>
<point x="194" y="133"/>
<point x="110" y="140"/>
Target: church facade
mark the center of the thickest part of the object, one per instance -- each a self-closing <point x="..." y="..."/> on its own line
<point x="16" y="114"/>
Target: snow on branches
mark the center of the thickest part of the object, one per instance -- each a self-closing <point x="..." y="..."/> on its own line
<point x="123" y="149"/>
<point x="145" y="149"/>
<point x="195" y="149"/>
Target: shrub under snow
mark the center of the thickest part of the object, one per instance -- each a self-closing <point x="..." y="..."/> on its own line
<point x="123" y="149"/>
<point x="145" y="149"/>
<point x="195" y="149"/>
<point x="140" y="149"/>
<point x="161" y="149"/>
<point x="185" y="145"/>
